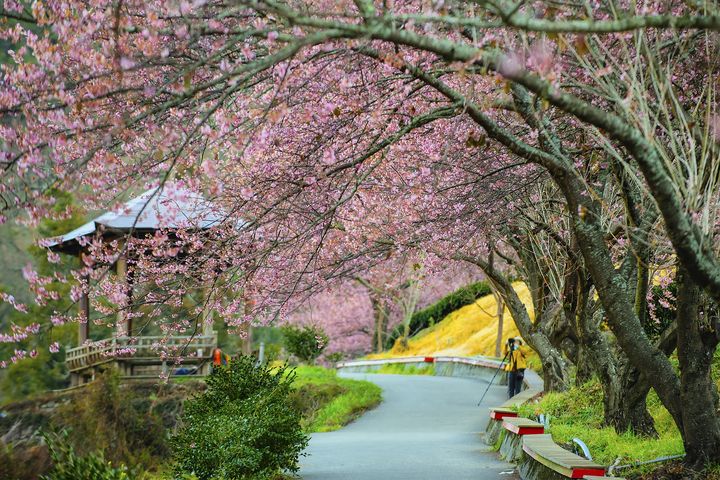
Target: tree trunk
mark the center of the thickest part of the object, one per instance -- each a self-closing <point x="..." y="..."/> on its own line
<point x="501" y="317"/>
<point x="583" y="366"/>
<point x="612" y="290"/>
<point x="624" y="389"/>
<point x="697" y="341"/>
<point x="555" y="370"/>
<point x="626" y="403"/>
<point x="380" y="314"/>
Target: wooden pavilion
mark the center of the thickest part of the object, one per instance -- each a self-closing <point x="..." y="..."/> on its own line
<point x="168" y="209"/>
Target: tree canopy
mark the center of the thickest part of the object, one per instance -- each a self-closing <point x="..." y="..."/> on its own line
<point x="575" y="144"/>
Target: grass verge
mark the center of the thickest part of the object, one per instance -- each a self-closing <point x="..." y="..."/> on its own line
<point x="578" y="413"/>
<point x="406" y="369"/>
<point x="328" y="402"/>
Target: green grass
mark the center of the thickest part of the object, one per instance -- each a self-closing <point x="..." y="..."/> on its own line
<point x="405" y="369"/>
<point x="329" y="402"/>
<point x="578" y="413"/>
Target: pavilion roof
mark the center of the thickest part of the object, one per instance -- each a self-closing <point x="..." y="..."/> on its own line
<point x="170" y="208"/>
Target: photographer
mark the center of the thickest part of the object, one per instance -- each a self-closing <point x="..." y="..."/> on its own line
<point x="516" y="365"/>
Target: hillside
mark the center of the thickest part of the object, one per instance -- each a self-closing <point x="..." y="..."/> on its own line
<point x="14" y="243"/>
<point x="470" y="330"/>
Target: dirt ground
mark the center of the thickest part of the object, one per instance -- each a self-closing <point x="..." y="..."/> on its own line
<point x="675" y="471"/>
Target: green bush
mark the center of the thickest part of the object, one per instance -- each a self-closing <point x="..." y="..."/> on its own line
<point x="440" y="309"/>
<point x="68" y="465"/>
<point x="243" y="426"/>
<point x="273" y="352"/>
<point x="335" y="357"/>
<point x="306" y="342"/>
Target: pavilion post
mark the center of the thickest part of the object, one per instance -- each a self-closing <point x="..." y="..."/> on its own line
<point x="246" y="328"/>
<point x="124" y="322"/>
<point x="84" y="325"/>
<point x="207" y="317"/>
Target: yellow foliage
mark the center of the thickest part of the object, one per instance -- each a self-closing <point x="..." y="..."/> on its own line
<point x="470" y="330"/>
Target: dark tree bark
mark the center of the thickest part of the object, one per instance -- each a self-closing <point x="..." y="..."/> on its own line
<point x="380" y="314"/>
<point x="697" y="340"/>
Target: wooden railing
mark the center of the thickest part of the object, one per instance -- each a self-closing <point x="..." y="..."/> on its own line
<point x="152" y="350"/>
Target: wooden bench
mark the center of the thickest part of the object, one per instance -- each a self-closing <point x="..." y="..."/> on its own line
<point x="498" y="413"/>
<point x="523" y="426"/>
<point x="543" y="450"/>
<point x="511" y="448"/>
<point x="596" y="477"/>
<point x="508" y="409"/>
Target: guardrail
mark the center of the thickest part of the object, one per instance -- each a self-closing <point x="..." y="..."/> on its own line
<point x="445" y="365"/>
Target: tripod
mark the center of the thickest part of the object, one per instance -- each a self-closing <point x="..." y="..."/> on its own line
<point x="502" y="363"/>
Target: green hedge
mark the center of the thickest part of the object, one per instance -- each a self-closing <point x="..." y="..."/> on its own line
<point x="440" y="309"/>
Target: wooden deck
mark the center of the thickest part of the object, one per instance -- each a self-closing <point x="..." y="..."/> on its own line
<point x="138" y="356"/>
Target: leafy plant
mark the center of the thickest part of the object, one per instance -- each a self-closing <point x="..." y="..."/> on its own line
<point x="306" y="343"/>
<point x="243" y="426"/>
<point x="68" y="465"/>
<point x="335" y="357"/>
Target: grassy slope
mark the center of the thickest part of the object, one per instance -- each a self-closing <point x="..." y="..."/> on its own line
<point x="404" y="369"/>
<point x="330" y="401"/>
<point x="470" y="330"/>
<point x="578" y="413"/>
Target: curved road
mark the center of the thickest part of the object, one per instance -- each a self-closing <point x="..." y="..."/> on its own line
<point x="426" y="428"/>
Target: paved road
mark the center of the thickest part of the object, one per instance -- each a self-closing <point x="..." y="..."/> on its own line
<point x="427" y="428"/>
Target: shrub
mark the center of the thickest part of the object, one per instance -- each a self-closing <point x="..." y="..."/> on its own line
<point x="23" y="461"/>
<point x="68" y="465"/>
<point x="306" y="342"/>
<point x="334" y="357"/>
<point x="108" y="417"/>
<point x="243" y="426"/>
<point x="440" y="309"/>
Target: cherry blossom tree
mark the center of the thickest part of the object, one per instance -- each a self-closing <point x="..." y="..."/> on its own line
<point x="338" y="136"/>
<point x="349" y="312"/>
